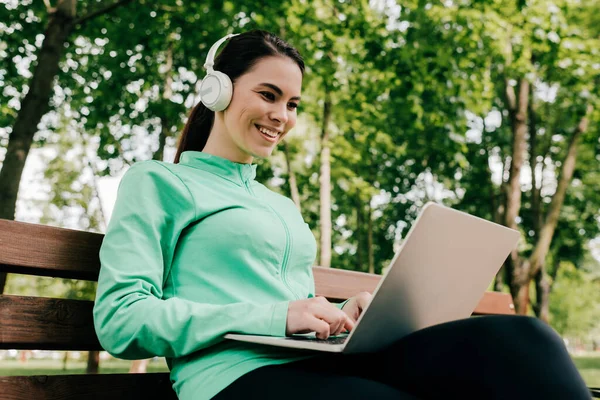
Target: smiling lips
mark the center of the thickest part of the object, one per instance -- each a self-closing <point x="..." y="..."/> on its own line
<point x="270" y="134"/>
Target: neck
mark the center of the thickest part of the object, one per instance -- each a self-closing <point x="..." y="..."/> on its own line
<point x="219" y="143"/>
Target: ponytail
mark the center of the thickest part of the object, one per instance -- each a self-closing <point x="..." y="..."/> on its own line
<point x="196" y="131"/>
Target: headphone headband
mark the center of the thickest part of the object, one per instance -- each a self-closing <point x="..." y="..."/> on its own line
<point x="210" y="58"/>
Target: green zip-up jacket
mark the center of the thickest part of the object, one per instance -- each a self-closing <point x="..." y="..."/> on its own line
<point x="193" y="251"/>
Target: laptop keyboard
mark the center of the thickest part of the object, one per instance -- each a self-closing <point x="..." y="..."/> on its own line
<point x="313" y="339"/>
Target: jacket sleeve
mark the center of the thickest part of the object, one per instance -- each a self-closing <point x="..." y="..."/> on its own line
<point x="131" y="317"/>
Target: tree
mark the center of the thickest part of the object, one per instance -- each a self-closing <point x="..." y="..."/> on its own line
<point x="62" y="20"/>
<point x="535" y="57"/>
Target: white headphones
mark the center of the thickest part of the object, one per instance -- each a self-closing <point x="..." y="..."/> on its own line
<point x="216" y="88"/>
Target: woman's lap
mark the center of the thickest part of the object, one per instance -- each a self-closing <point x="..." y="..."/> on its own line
<point x="290" y="382"/>
<point x="487" y="357"/>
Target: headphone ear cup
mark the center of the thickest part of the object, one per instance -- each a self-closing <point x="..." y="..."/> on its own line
<point x="216" y="90"/>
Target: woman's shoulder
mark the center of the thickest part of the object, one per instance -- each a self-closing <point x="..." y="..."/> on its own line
<point x="157" y="180"/>
<point x="154" y="168"/>
<point x="157" y="172"/>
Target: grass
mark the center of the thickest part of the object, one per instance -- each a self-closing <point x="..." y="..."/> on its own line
<point x="589" y="367"/>
<point x="11" y="367"/>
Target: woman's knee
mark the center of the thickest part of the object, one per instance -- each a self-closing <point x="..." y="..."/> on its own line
<point x="528" y="329"/>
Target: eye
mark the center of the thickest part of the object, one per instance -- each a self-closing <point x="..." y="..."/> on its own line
<point x="268" y="95"/>
<point x="293" y="106"/>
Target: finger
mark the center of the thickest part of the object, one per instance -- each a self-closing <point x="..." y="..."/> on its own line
<point x="346" y="325"/>
<point x="342" y="328"/>
<point x="349" y="324"/>
<point x="364" y="300"/>
<point x="341" y="321"/>
<point x="336" y="318"/>
<point x="328" y="312"/>
<point x="320" y="327"/>
<point x="339" y="327"/>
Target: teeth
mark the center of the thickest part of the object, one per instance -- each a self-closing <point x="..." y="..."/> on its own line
<point x="268" y="132"/>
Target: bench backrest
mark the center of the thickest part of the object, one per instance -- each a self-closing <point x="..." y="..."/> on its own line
<point x="39" y="323"/>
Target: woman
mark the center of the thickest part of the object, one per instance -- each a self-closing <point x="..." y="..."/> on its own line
<point x="198" y="249"/>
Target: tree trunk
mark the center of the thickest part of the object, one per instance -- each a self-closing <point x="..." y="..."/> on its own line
<point x="359" y="227"/>
<point x="542" y="292"/>
<point x="497" y="201"/>
<point x="93" y="362"/>
<point x="370" y="239"/>
<point x="24" y="356"/>
<point x="2" y="281"/>
<point x="517" y="271"/>
<point x="325" y="186"/>
<point x="139" y="366"/>
<point x="519" y="287"/>
<point x="542" y="246"/>
<point x="65" y="360"/>
<point x="34" y="105"/>
<point x="519" y="130"/>
<point x="536" y="188"/>
<point x="291" y="176"/>
<point x="544" y="287"/>
<point x="159" y="154"/>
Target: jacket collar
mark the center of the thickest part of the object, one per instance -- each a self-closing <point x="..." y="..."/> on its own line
<point x="236" y="172"/>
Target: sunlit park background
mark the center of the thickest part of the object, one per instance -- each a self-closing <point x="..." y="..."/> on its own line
<point x="488" y="106"/>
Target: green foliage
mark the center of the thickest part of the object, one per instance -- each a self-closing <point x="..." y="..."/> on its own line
<point x="575" y="304"/>
<point x="25" y="285"/>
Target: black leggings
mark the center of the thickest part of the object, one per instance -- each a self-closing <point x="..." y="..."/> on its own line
<point x="492" y="357"/>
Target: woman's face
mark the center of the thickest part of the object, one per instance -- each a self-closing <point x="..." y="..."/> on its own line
<point x="263" y="108"/>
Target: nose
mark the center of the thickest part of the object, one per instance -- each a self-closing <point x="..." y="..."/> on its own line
<point x="279" y="113"/>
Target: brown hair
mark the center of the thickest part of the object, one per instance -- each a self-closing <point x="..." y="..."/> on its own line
<point x="238" y="56"/>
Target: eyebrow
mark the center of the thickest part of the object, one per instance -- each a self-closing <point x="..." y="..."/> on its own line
<point x="279" y="91"/>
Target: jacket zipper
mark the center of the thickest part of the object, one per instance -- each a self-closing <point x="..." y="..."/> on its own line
<point x="246" y="184"/>
<point x="286" y="254"/>
<point x="248" y="189"/>
<point x="288" y="239"/>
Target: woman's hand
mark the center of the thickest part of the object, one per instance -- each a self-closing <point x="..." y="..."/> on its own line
<point x="316" y="315"/>
<point x="355" y="306"/>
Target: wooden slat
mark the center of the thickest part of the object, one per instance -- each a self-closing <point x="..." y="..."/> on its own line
<point x="336" y="284"/>
<point x="46" y="324"/>
<point x="339" y="284"/>
<point x="49" y="251"/>
<point x="495" y="303"/>
<point x="88" y="387"/>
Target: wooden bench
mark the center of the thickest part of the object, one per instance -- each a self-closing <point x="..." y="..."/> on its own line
<point x="30" y="323"/>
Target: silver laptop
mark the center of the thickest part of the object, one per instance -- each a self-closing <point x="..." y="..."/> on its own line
<point x="441" y="272"/>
